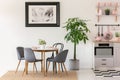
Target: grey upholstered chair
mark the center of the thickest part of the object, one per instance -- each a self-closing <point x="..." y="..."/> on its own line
<point x="60" y="47"/>
<point x="30" y="57"/>
<point x="20" y="54"/>
<point x="60" y="59"/>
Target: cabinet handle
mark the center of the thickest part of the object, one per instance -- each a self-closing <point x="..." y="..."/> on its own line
<point x="103" y="59"/>
<point x="103" y="64"/>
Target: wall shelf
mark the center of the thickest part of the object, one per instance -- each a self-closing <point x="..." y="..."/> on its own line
<point x="107" y="24"/>
<point x="102" y="6"/>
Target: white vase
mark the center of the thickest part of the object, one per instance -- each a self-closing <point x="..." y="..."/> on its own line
<point x="42" y="46"/>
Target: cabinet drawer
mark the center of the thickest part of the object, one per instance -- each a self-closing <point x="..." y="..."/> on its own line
<point x="103" y="62"/>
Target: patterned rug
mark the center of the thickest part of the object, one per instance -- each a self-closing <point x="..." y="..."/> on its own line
<point x="107" y="73"/>
<point x="10" y="75"/>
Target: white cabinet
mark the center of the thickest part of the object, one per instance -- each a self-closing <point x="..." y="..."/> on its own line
<point x="103" y="62"/>
<point x="117" y="54"/>
<point x="112" y="61"/>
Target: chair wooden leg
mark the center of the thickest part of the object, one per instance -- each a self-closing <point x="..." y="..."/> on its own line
<point x="26" y="67"/>
<point x="18" y="66"/>
<point x="41" y="66"/>
<point x="55" y="67"/>
<point x="58" y="68"/>
<point x="62" y="67"/>
<point x="65" y="68"/>
<point x="23" y="72"/>
<point x="48" y="65"/>
<point x="35" y="66"/>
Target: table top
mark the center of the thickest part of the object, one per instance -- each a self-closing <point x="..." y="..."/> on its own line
<point x="47" y="49"/>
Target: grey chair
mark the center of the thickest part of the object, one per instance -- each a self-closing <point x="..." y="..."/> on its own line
<point x="20" y="54"/>
<point x="60" y="59"/>
<point x="60" y="47"/>
<point x="30" y="57"/>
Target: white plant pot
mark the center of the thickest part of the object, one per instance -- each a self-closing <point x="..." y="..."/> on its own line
<point x="42" y="46"/>
<point x="74" y="64"/>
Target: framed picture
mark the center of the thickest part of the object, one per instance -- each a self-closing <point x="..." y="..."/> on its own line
<point x="42" y="14"/>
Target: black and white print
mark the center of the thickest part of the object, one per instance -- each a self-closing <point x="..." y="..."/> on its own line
<point x="42" y="14"/>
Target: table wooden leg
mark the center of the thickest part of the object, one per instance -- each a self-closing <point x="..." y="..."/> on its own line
<point x="42" y="62"/>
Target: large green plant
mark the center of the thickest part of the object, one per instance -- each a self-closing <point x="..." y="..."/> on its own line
<point x="77" y="29"/>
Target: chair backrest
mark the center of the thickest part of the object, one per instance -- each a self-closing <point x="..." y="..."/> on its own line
<point x="61" y="57"/>
<point x="29" y="55"/>
<point x="60" y="46"/>
<point x="20" y="53"/>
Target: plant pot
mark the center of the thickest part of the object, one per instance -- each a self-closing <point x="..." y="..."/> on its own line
<point x="42" y="46"/>
<point x="74" y="64"/>
<point x="107" y="12"/>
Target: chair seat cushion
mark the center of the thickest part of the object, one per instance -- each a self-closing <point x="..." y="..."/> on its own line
<point x="37" y="60"/>
<point x="50" y="59"/>
<point x="22" y="58"/>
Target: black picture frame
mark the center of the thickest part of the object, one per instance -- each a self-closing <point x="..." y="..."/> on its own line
<point x="42" y="14"/>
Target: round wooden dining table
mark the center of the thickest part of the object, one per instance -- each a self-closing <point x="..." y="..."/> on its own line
<point x="43" y="52"/>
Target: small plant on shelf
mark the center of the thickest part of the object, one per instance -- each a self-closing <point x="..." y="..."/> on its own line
<point x="107" y="11"/>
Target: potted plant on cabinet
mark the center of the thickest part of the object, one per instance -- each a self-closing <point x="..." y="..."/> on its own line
<point x="77" y="30"/>
<point x="117" y="36"/>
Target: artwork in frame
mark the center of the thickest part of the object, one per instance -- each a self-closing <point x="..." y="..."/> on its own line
<point x="42" y="14"/>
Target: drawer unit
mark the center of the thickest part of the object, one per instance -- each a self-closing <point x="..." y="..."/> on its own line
<point x="103" y="62"/>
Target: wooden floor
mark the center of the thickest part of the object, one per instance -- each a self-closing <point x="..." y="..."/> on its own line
<point x="10" y="75"/>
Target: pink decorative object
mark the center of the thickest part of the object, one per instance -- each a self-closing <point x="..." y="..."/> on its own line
<point x="107" y="4"/>
<point x="100" y="12"/>
<point x="108" y="35"/>
<point x="116" y="4"/>
<point x="104" y="3"/>
<point x="98" y="38"/>
<point x="114" y="12"/>
<point x="98" y="4"/>
<point x="110" y="3"/>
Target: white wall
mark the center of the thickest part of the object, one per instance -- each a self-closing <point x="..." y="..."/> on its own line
<point x="13" y="32"/>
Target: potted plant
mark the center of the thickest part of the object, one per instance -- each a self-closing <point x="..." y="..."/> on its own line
<point x="107" y="11"/>
<point x="42" y="43"/>
<point x="117" y="35"/>
<point x="77" y="29"/>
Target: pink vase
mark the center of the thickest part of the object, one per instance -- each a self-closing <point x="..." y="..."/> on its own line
<point x="98" y="38"/>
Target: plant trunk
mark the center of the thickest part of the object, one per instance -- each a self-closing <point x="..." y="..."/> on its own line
<point x="74" y="51"/>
